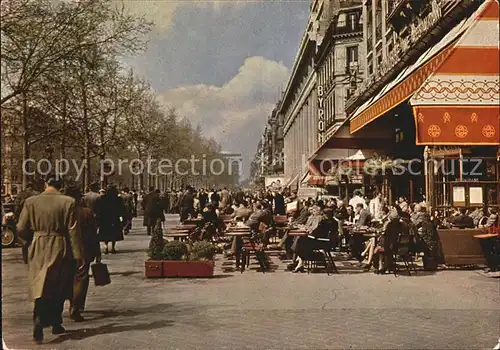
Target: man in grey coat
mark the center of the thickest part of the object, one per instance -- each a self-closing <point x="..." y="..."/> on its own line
<point x="47" y="222"/>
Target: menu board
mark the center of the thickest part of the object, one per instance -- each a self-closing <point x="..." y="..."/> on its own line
<point x="459" y="196"/>
<point x="476" y="195"/>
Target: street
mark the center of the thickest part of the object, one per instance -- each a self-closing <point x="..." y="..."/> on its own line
<point x="447" y="310"/>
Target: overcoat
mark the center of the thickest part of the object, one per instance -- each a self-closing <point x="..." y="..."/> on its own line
<point x="110" y="211"/>
<point x="48" y="222"/>
<point x="153" y="209"/>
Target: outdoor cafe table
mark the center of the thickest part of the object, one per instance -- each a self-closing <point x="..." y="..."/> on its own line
<point x="297" y="232"/>
<point x="184" y="227"/>
<point x="177" y="234"/>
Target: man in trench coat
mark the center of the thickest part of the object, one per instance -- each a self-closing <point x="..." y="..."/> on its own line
<point x="47" y="222"/>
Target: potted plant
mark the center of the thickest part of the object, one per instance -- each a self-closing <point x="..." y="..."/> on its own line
<point x="196" y="260"/>
<point x="154" y="265"/>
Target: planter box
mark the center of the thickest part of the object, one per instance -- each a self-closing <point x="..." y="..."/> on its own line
<point x="172" y="268"/>
<point x="153" y="268"/>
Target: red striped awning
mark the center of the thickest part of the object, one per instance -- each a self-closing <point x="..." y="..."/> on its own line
<point x="459" y="103"/>
<point x="454" y="87"/>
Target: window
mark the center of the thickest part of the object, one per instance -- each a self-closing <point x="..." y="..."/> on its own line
<point x="342" y="20"/>
<point x="352" y="21"/>
<point x="352" y="57"/>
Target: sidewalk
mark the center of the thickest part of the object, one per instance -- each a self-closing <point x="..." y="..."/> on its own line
<point x="279" y="310"/>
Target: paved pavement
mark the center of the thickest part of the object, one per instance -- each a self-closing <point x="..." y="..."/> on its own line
<point x="277" y="310"/>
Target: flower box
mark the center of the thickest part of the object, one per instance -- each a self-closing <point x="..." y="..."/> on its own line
<point x="153" y="268"/>
<point x="176" y="268"/>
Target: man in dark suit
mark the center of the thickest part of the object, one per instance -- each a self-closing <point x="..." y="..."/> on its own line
<point x="279" y="204"/>
<point x="90" y="198"/>
<point x="462" y="220"/>
<point x="186" y="204"/>
<point x="153" y="209"/>
<point x="364" y="216"/>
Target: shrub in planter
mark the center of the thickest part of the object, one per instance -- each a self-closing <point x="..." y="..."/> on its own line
<point x="175" y="250"/>
<point x="154" y="266"/>
<point x="156" y="244"/>
<point x="202" y="250"/>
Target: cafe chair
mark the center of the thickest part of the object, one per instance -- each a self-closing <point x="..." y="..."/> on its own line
<point x="254" y="245"/>
<point x="402" y="251"/>
<point x="321" y="255"/>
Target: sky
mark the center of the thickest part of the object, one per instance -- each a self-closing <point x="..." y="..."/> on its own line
<point x="221" y="64"/>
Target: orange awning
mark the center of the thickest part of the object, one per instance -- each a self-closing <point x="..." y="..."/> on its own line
<point x="459" y="103"/>
<point x="458" y="77"/>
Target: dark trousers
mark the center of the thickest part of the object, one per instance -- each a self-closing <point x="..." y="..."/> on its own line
<point x="80" y="289"/>
<point x="491" y="251"/>
<point x="48" y="312"/>
<point x="356" y="246"/>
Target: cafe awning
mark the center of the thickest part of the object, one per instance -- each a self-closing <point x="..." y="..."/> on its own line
<point x="459" y="103"/>
<point x="481" y="29"/>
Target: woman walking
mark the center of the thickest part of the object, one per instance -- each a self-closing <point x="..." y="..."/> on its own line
<point x="110" y="215"/>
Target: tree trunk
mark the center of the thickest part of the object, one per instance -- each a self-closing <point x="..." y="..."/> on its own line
<point x="26" y="141"/>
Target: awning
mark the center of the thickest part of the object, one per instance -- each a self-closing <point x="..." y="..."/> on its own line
<point x="414" y="77"/>
<point x="459" y="103"/>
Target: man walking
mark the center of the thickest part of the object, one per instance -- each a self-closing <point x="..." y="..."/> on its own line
<point x="128" y="202"/>
<point x="90" y="198"/>
<point x="153" y="209"/>
<point x="47" y="222"/>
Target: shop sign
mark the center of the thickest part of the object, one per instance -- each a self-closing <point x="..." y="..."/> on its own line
<point x="321" y="115"/>
<point x="416" y="33"/>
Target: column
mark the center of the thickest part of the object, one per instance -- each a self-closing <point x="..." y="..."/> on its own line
<point x="365" y="41"/>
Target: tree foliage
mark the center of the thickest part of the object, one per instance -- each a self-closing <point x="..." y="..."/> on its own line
<point x="64" y="84"/>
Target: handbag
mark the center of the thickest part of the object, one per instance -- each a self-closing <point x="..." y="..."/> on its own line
<point x="101" y="274"/>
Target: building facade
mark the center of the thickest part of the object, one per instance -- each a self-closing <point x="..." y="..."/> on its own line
<point x="338" y="65"/>
<point x="325" y="72"/>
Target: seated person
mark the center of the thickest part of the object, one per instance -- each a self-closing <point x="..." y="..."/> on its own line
<point x="387" y="242"/>
<point x="371" y="244"/>
<point x="303" y="245"/>
<point x="304" y="213"/>
<point x="364" y="216"/>
<point x="356" y="240"/>
<point x="210" y="223"/>
<point x="477" y="215"/>
<point x="350" y="214"/>
<point x="243" y="212"/>
<point x="491" y="220"/>
<point x="462" y="220"/>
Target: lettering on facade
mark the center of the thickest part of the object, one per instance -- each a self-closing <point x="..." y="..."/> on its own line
<point x="417" y="31"/>
<point x="321" y="115"/>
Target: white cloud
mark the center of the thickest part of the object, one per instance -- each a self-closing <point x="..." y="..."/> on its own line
<point x="160" y="12"/>
<point x="235" y="113"/>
